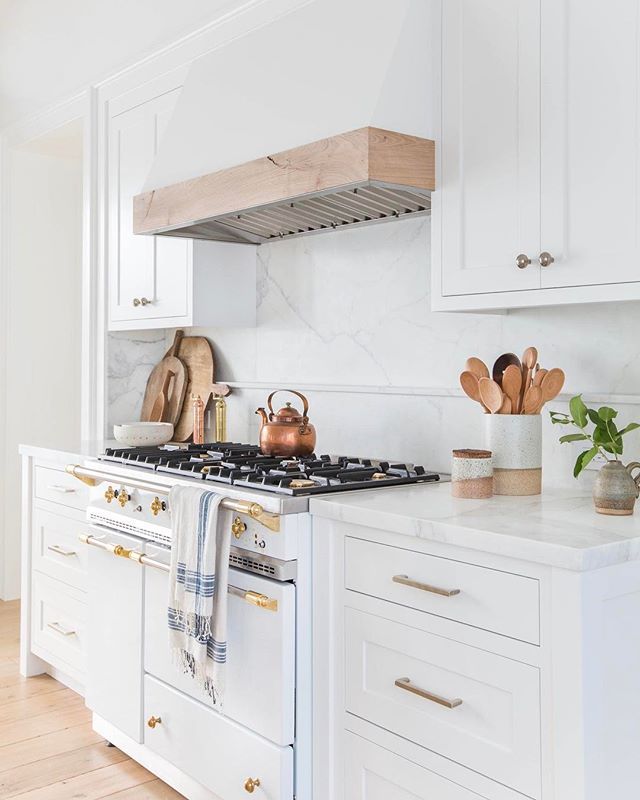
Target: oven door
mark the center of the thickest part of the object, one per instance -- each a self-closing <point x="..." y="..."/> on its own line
<point x="260" y="671"/>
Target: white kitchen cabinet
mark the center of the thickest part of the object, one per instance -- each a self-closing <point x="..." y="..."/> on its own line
<point x="164" y="281"/>
<point x="538" y="154"/>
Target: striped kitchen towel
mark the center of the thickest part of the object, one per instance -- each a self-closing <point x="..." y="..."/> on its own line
<point x="198" y="583"/>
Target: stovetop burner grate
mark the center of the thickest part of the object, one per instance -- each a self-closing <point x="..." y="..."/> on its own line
<point x="245" y="465"/>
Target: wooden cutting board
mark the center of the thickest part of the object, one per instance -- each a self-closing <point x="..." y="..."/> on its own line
<point x="196" y="353"/>
<point x="177" y="386"/>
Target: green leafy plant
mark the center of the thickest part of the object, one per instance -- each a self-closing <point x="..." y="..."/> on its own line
<point x="605" y="438"/>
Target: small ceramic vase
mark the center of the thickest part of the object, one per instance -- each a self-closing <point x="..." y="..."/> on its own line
<point x="616" y="490"/>
<point x="516" y="443"/>
<point x="471" y="474"/>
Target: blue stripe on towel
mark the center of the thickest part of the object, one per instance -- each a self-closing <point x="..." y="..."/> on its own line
<point x="194" y="582"/>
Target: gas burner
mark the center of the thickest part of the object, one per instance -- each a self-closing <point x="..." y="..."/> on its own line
<point x="245" y="465"/>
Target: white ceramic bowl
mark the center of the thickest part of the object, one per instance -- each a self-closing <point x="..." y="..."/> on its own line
<point x="139" y="434"/>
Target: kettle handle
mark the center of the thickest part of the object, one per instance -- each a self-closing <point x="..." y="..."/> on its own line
<point x="305" y="402"/>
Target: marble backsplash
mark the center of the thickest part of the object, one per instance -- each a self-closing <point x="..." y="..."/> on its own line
<point x="346" y="318"/>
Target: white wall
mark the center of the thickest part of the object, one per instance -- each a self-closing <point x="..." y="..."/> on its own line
<point x="346" y="316"/>
<point x="43" y="323"/>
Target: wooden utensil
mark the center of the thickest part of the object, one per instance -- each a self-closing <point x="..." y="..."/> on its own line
<point x="532" y="400"/>
<point x="505" y="408"/>
<point x="175" y="399"/>
<point x="502" y="362"/>
<point x="551" y="386"/>
<point x="490" y="394"/>
<point x="538" y="377"/>
<point x="197" y="354"/>
<point x="511" y="385"/>
<point x="529" y="361"/>
<point x="469" y="383"/>
<point x="477" y="367"/>
<point x="162" y="400"/>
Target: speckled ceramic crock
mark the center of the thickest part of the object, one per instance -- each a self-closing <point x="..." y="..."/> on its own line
<point x="471" y="474"/>
<point x="516" y="443"/>
<point x="616" y="490"/>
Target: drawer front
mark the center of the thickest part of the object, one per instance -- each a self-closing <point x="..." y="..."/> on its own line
<point x="57" y="486"/>
<point x="373" y="773"/>
<point x="56" y="549"/>
<point x="59" y="621"/>
<point x="400" y="678"/>
<point x="485" y="598"/>
<point x="216" y="752"/>
<point x="260" y="672"/>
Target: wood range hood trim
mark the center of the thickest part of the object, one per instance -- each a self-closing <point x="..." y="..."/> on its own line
<point x="360" y="177"/>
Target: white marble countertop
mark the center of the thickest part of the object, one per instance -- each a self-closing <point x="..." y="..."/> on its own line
<point x="559" y="528"/>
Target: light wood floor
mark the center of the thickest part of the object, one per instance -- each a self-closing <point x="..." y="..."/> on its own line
<point x="47" y="748"/>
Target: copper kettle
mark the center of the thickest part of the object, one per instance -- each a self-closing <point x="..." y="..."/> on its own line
<point x="286" y="432"/>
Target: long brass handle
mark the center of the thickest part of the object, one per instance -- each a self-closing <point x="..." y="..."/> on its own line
<point x="405" y="580"/>
<point x="56" y="548"/>
<point x="58" y="628"/>
<point x="405" y="683"/>
<point x="253" y="598"/>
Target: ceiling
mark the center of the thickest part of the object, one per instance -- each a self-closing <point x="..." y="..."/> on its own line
<point x="49" y="51"/>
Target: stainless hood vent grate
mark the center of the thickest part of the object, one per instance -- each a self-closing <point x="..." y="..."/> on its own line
<point x="365" y="176"/>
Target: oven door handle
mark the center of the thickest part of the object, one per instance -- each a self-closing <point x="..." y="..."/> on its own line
<point x="118" y="550"/>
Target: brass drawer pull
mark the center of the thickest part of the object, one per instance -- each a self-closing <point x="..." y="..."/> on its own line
<point x="405" y="580"/>
<point x="54" y="487"/>
<point x="153" y="721"/>
<point x="405" y="683"/>
<point x="251" y="784"/>
<point x="56" y="548"/>
<point x="58" y="628"/>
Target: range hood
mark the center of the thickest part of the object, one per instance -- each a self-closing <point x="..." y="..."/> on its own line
<point x="317" y="120"/>
<point x="367" y="175"/>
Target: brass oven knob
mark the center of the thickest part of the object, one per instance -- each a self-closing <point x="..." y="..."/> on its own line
<point x="123" y="497"/>
<point x="238" y="527"/>
<point x="109" y="494"/>
<point x="251" y="784"/>
<point x="153" y="721"/>
<point x="545" y="259"/>
<point x="522" y="261"/>
<point x="157" y="505"/>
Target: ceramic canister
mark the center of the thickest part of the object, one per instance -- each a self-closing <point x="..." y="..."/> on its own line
<point x="471" y="474"/>
<point x="516" y="443"/>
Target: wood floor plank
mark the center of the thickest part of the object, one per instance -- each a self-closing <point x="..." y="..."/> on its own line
<point x="22" y="688"/>
<point x="154" y="790"/>
<point x="61" y="700"/>
<point x="58" y="768"/>
<point x="32" y="750"/>
<point x="93" y="785"/>
<point x="11" y="732"/>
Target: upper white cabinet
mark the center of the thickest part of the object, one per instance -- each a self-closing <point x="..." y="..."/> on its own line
<point x="538" y="155"/>
<point x="157" y="282"/>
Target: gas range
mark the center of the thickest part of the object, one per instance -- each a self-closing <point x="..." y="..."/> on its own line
<point x="244" y="465"/>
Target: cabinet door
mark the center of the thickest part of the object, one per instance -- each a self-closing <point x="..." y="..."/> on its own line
<point x="590" y="144"/>
<point x="155" y="268"/>
<point x="488" y="198"/>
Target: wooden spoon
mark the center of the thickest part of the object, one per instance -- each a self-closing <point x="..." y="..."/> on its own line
<point x="533" y="400"/>
<point x="502" y="362"/>
<point x="538" y="377"/>
<point x="477" y="367"/>
<point x="551" y="386"/>
<point x="511" y="385"/>
<point x="505" y="408"/>
<point x="529" y="361"/>
<point x="160" y="404"/>
<point x="491" y="394"/>
<point x="469" y="383"/>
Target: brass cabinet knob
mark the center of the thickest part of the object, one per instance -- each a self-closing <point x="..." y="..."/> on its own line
<point x="153" y="721"/>
<point x="545" y="259"/>
<point x="251" y="784"/>
<point x="136" y="301"/>
<point x="522" y="261"/>
<point x="238" y="527"/>
<point x="145" y="302"/>
<point x="157" y="505"/>
<point x="109" y="494"/>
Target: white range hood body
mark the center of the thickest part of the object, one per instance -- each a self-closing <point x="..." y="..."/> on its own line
<point x="329" y="66"/>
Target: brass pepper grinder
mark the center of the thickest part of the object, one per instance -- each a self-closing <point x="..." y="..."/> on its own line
<point x="221" y="418"/>
<point x="198" y="419"/>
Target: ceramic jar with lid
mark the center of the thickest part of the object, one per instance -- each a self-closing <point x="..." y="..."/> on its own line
<point x="472" y="474"/>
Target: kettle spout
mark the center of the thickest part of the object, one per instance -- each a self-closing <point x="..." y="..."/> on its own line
<point x="263" y="415"/>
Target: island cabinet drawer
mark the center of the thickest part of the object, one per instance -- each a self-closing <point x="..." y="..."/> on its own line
<point x="373" y="773"/>
<point x="485" y="598"/>
<point x="58" y="624"/>
<point x="56" y="550"/>
<point x="212" y="749"/>
<point x="57" y="486"/>
<point x="471" y="706"/>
